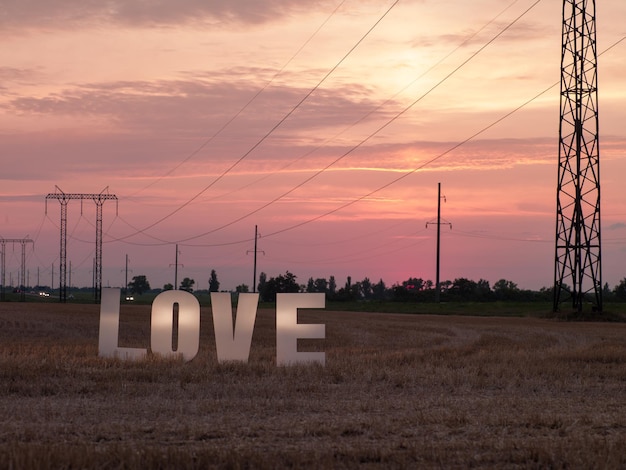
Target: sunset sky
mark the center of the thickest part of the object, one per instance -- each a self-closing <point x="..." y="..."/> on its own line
<point x="326" y="123"/>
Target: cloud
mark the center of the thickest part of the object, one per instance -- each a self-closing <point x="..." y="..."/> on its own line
<point x="13" y="74"/>
<point x="134" y="127"/>
<point x="61" y="14"/>
<point x="196" y="108"/>
<point x="616" y="226"/>
<point x="11" y="199"/>
<point x="19" y="76"/>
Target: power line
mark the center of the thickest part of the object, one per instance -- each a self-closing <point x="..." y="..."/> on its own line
<point x="375" y="109"/>
<point x="244" y="107"/>
<point x="366" y="139"/>
<point x="343" y="206"/>
<point x="163" y="242"/>
<point x="395" y="180"/>
<point x="462" y="233"/>
<point x="271" y="131"/>
<point x="361" y="254"/>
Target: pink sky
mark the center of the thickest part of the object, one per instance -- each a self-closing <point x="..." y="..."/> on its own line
<point x="123" y="93"/>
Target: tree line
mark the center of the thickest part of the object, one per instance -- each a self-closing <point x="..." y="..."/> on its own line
<point x="410" y="290"/>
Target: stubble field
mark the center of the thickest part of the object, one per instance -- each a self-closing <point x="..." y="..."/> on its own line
<point x="398" y="391"/>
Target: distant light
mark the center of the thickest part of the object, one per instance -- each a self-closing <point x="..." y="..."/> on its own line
<point x="129" y="298"/>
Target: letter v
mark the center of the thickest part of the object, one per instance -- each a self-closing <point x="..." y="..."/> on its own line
<point x="233" y="344"/>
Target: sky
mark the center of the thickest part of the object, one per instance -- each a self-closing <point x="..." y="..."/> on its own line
<point x="326" y="124"/>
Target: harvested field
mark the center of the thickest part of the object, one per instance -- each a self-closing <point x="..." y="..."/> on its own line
<point x="398" y="391"/>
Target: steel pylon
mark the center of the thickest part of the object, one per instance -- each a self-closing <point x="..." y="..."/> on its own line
<point x="64" y="199"/>
<point x="577" y="274"/>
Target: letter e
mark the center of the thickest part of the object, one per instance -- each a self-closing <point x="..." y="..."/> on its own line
<point x="288" y="330"/>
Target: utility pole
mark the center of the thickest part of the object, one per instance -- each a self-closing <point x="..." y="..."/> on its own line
<point x="438" y="223"/>
<point x="176" y="268"/>
<point x="70" y="278"/>
<point x="2" y="266"/>
<point x="578" y="273"/>
<point x="256" y="237"/>
<point x="126" y="277"/>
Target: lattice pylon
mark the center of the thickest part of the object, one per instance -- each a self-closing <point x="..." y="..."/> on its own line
<point x="578" y="244"/>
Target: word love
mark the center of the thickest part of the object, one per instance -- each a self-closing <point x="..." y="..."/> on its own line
<point x="232" y="342"/>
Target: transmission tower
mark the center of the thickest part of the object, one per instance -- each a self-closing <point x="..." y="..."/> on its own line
<point x="577" y="274"/>
<point x="22" y="281"/>
<point x="64" y="199"/>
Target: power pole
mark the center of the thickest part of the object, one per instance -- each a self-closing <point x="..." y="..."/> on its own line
<point x="70" y="278"/>
<point x="577" y="273"/>
<point x="2" y="266"/>
<point x="176" y="268"/>
<point x="256" y="237"/>
<point x="438" y="223"/>
<point x="64" y="199"/>
<point x="126" y="277"/>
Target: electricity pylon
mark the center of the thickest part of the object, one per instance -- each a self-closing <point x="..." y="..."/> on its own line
<point x="64" y="199"/>
<point x="577" y="274"/>
<point x="22" y="281"/>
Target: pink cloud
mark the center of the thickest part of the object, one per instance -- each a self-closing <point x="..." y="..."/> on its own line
<point x="59" y="14"/>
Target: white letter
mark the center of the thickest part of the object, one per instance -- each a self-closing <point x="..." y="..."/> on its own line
<point x="288" y="330"/>
<point x="233" y="345"/>
<point x="188" y="324"/>
<point x="110" y="326"/>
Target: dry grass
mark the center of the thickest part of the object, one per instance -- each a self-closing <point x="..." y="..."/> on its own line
<point x="398" y="391"/>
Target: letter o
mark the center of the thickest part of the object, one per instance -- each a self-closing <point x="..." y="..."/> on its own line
<point x="161" y="327"/>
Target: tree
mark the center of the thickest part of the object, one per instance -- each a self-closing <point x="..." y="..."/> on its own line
<point x="168" y="286"/>
<point x="317" y="285"/>
<point x="463" y="289"/>
<point x="483" y="291"/>
<point x="620" y="290"/>
<point x="505" y="290"/>
<point x="414" y="283"/>
<point x="214" y="284"/>
<point x="242" y="288"/>
<point x="321" y="285"/>
<point x="607" y="294"/>
<point x="187" y="284"/>
<point x="280" y="284"/>
<point x="379" y="290"/>
<point x="262" y="285"/>
<point x="365" y="287"/>
<point x="139" y="284"/>
<point x="355" y="291"/>
<point x="332" y="285"/>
